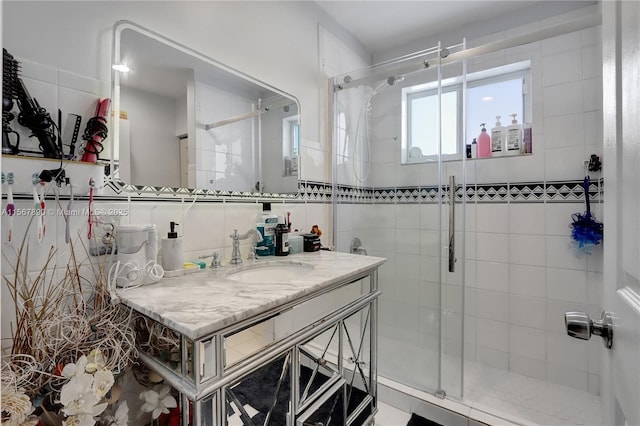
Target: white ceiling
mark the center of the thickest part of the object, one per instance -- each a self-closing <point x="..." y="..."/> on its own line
<point x="384" y="24"/>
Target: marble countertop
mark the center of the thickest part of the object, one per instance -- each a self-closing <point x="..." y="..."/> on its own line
<point x="204" y="302"/>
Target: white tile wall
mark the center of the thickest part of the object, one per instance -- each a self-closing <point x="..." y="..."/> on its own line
<point x="493" y="247"/>
<point x="492" y="276"/>
<point x="527" y="280"/>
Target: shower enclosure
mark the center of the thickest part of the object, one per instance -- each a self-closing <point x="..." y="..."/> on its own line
<point x="477" y="249"/>
<point x="409" y="209"/>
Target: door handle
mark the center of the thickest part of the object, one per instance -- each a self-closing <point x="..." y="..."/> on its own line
<point x="580" y="326"/>
<point x="452" y="223"/>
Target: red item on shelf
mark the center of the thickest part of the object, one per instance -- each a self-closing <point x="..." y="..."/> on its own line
<point x="96" y="132"/>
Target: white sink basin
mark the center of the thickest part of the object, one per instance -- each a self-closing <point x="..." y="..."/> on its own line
<point x="270" y="272"/>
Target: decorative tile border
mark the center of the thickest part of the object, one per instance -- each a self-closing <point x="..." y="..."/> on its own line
<point x="520" y="192"/>
<point x="527" y="192"/>
<point x="323" y="192"/>
<point x="307" y="191"/>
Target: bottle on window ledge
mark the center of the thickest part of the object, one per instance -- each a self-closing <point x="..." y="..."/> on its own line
<point x="498" y="136"/>
<point x="484" y="143"/>
<point x="514" y="136"/>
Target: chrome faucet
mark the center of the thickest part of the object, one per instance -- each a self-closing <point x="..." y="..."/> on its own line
<point x="236" y="257"/>
<point x="215" y="262"/>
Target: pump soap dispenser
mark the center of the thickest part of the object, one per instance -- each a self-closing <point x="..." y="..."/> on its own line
<point x="498" y="136"/>
<point x="514" y="136"/>
<point x="172" y="250"/>
<point x="484" y="143"/>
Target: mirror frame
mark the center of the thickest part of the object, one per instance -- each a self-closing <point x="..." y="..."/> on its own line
<point x="125" y="187"/>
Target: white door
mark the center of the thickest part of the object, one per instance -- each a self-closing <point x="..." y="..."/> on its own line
<point x="621" y="99"/>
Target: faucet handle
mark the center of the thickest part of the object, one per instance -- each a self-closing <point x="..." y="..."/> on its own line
<point x="215" y="262"/>
<point x="252" y="254"/>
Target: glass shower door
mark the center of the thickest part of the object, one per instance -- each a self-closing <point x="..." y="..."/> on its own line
<point x="454" y="176"/>
<point x="394" y="197"/>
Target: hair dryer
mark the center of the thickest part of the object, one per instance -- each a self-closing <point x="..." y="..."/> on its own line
<point x="32" y="115"/>
<point x="10" y="69"/>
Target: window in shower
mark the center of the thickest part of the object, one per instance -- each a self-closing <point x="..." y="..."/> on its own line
<point x="291" y="144"/>
<point x="423" y="130"/>
<point x="496" y="92"/>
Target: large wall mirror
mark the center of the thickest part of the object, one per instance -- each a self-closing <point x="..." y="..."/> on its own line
<point x="184" y="120"/>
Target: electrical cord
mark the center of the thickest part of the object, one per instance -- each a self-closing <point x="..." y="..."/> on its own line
<point x="132" y="273"/>
<point x="95" y="127"/>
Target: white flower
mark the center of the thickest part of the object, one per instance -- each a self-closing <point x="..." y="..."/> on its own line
<point x="102" y="382"/>
<point x="16" y="404"/>
<point x="79" y="420"/>
<point x="72" y="369"/>
<point x="121" y="417"/>
<point x="77" y="395"/>
<point x="96" y="361"/>
<point x="157" y="402"/>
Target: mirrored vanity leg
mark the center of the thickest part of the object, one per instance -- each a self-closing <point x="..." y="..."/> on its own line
<point x="373" y="368"/>
<point x="294" y="401"/>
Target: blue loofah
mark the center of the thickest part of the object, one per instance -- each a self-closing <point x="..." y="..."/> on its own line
<point x="586" y="230"/>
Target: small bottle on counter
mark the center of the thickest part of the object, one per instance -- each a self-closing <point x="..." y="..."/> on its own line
<point x="282" y="237"/>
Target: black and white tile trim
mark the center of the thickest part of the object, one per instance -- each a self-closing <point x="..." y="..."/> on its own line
<point x="521" y="192"/>
<point x="323" y="192"/>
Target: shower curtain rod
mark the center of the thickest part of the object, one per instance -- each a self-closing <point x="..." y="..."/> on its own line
<point x="235" y="119"/>
<point x="264" y="108"/>
<point x="423" y="62"/>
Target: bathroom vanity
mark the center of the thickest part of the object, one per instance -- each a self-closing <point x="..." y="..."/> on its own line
<point x="280" y="341"/>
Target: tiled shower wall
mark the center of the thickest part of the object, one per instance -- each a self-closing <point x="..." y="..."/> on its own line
<point x="224" y="159"/>
<point x="521" y="270"/>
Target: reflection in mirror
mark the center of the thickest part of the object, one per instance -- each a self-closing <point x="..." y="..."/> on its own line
<point x="239" y="345"/>
<point x="318" y="363"/>
<point x="261" y="397"/>
<point x="188" y="121"/>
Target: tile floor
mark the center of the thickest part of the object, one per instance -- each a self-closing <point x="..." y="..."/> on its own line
<point x="504" y="395"/>
<point x="390" y="416"/>
<point x="528" y="400"/>
<point x="521" y="399"/>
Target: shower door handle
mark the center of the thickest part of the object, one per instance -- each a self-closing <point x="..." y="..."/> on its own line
<point x="452" y="223"/>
